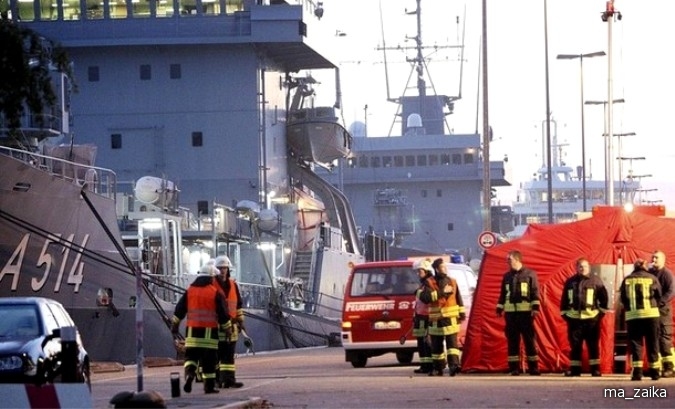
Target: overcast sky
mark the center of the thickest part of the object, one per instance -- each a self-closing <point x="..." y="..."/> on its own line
<point x="642" y="74"/>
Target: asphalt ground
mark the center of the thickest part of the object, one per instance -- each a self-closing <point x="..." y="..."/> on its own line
<point x="320" y="378"/>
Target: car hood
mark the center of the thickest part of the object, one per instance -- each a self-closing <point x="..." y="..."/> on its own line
<point x="18" y="345"/>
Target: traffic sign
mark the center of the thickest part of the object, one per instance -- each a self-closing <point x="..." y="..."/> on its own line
<point x="487" y="240"/>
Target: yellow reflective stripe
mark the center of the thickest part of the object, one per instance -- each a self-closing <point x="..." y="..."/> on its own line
<point x="590" y="294"/>
<point x="521" y="306"/>
<point x="524" y="289"/>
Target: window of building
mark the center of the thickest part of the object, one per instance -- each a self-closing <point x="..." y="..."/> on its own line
<point x="468" y="158"/>
<point x="386" y="161"/>
<point x="363" y="161"/>
<point x="451" y="226"/>
<point x="433" y="160"/>
<point x="445" y="159"/>
<point x="398" y="161"/>
<point x="410" y="160"/>
<point x="93" y="73"/>
<point x="146" y="72"/>
<point x="116" y="141"/>
<point x="175" y="71"/>
<point x="439" y="193"/>
<point x="197" y="139"/>
<point x="424" y="193"/>
<point x="375" y="161"/>
<point x="421" y="160"/>
<point x="456" y="159"/>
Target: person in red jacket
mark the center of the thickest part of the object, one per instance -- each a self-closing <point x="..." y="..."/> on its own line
<point x="421" y="318"/>
<point x="228" y="342"/>
<point x="206" y="312"/>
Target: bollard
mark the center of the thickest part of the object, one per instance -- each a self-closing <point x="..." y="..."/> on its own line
<point x="175" y="384"/>
<point x="69" y="355"/>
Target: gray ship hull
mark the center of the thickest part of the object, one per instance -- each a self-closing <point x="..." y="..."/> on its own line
<point x="52" y="245"/>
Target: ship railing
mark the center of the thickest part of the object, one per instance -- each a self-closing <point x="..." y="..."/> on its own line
<point x="101" y="181"/>
<point x="255" y="296"/>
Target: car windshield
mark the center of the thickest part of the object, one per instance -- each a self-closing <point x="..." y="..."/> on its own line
<point x="18" y="321"/>
<point x="384" y="281"/>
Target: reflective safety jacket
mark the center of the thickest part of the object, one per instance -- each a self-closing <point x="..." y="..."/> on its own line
<point x="421" y="318"/>
<point x="583" y="297"/>
<point x="205" y="309"/>
<point x="519" y="291"/>
<point x="230" y="291"/>
<point x="445" y="305"/>
<point x="640" y="295"/>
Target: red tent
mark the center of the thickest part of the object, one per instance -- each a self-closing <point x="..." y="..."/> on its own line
<point x="612" y="237"/>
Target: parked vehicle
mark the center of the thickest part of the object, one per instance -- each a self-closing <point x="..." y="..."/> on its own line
<point x="379" y="301"/>
<point x="30" y="342"/>
<point x="377" y="314"/>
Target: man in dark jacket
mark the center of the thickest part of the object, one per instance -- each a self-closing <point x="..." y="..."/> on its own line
<point x="519" y="301"/>
<point x="665" y="278"/>
<point x="583" y="303"/>
<point x="640" y="294"/>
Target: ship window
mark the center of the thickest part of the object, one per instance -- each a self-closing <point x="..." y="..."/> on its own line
<point x="456" y="159"/>
<point x="375" y="161"/>
<point x="451" y="226"/>
<point x="424" y="193"/>
<point x="445" y="159"/>
<point x="351" y="162"/>
<point x="410" y="160"/>
<point x="175" y="71"/>
<point x="433" y="160"/>
<point x="146" y="72"/>
<point x="116" y="141"/>
<point x="363" y="161"/>
<point x="386" y="161"/>
<point x="398" y="161"/>
<point x="421" y="160"/>
<point x="197" y="139"/>
<point x="468" y="158"/>
<point x="439" y="193"/>
<point x="93" y="74"/>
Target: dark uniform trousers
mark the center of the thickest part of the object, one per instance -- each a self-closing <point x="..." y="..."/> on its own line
<point x="438" y="345"/>
<point x="421" y="323"/>
<point x="666" y="333"/>
<point x="520" y="324"/>
<point x="580" y="331"/>
<point x="647" y="328"/>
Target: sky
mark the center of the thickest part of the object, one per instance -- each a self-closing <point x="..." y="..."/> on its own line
<point x="641" y="75"/>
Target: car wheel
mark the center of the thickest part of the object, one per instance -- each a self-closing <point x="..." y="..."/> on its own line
<point x="404" y="357"/>
<point x="359" y="361"/>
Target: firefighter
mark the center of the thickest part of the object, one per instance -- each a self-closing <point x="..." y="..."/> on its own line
<point x="665" y="278"/>
<point x="583" y="303"/>
<point x="206" y="312"/>
<point x="228" y="341"/>
<point x="421" y="318"/>
<point x="446" y="311"/>
<point x="640" y="295"/>
<point x="519" y="303"/>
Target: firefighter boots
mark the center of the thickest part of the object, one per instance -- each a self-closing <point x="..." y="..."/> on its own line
<point x="513" y="369"/>
<point x="655" y="374"/>
<point x="533" y="368"/>
<point x="189" y="378"/>
<point x="227" y="380"/>
<point x="668" y="370"/>
<point x="210" y="386"/>
<point x="454" y="370"/>
<point x="637" y="374"/>
<point x="573" y="371"/>
<point x="595" y="370"/>
<point x="424" y="368"/>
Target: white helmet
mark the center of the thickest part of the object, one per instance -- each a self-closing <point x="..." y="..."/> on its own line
<point x="207" y="270"/>
<point x="423" y="265"/>
<point x="223" y="261"/>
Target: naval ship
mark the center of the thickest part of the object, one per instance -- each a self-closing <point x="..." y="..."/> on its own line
<point x="209" y="102"/>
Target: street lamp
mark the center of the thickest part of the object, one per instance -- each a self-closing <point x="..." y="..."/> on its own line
<point x="607" y="155"/>
<point x="583" y="136"/>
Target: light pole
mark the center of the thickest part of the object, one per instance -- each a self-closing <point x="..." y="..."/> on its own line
<point x="607" y="153"/>
<point x="583" y="136"/>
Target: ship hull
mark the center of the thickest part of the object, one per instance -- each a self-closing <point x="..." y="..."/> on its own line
<point x="54" y="245"/>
